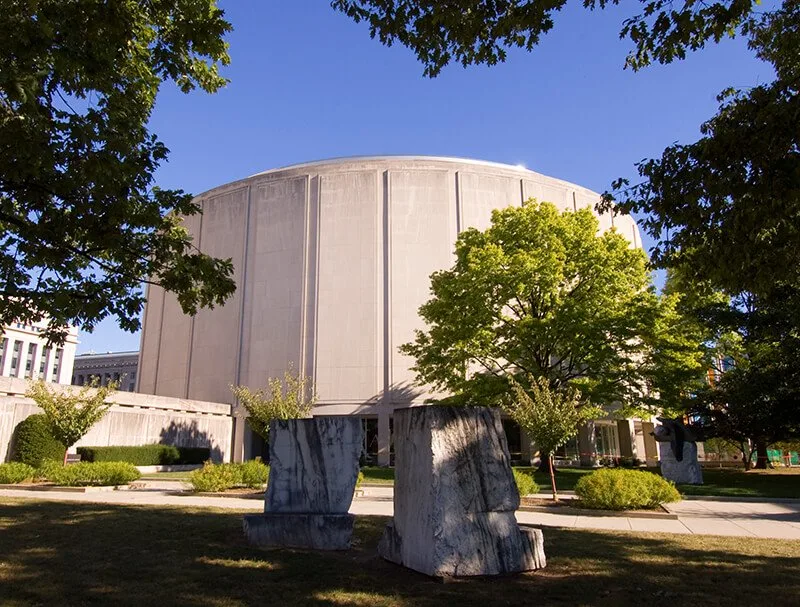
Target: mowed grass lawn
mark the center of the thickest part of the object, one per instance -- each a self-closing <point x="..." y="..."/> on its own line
<point x="79" y="553"/>
<point x="730" y="482"/>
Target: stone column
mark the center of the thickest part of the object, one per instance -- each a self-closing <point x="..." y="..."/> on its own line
<point x="51" y="361"/>
<point x="37" y="360"/>
<point x="586" y="447"/>
<point x="237" y="449"/>
<point x="9" y="355"/>
<point x="627" y="436"/>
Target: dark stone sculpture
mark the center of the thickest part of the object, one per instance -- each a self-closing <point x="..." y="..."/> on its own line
<point x="683" y="445"/>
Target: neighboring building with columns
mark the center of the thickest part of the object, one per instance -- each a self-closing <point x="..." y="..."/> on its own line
<point x="111" y="366"/>
<point x="24" y="354"/>
<point x="332" y="260"/>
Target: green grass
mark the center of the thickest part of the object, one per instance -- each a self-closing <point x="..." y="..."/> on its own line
<point x="781" y="482"/>
<point x="378" y="475"/>
<point x="81" y="553"/>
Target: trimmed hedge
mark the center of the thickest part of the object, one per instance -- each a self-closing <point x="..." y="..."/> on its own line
<point x="219" y="477"/>
<point x="525" y="483"/>
<point x="102" y="474"/>
<point x="619" y="489"/>
<point x="146" y="455"/>
<point x="33" y="443"/>
<point x="16" y="472"/>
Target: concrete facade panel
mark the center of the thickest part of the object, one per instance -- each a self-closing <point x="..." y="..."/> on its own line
<point x="214" y="355"/>
<point x="479" y="194"/>
<point x="347" y="297"/>
<point x="151" y="341"/>
<point x="422" y="224"/>
<point x="275" y="285"/>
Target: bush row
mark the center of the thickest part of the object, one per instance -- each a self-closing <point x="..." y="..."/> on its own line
<point x="619" y="489"/>
<point x="73" y="475"/>
<point x="89" y="473"/>
<point x="146" y="455"/>
<point x="16" y="472"/>
<point x="220" y="477"/>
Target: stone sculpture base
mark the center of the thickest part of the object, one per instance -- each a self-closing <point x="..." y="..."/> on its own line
<point x="315" y="531"/>
<point x="503" y="546"/>
<point x="686" y="472"/>
<point x="455" y="496"/>
<point x="313" y="472"/>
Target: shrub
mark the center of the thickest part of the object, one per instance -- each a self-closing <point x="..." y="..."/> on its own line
<point x="34" y="444"/>
<point x="254" y="473"/>
<point x="15" y="472"/>
<point x="146" y="455"/>
<point x="619" y="489"/>
<point x="525" y="483"/>
<point x="359" y="479"/>
<point x="102" y="474"/>
<point x="216" y="477"/>
<point x="219" y="477"/>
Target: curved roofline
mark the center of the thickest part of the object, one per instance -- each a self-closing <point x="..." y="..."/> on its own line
<point x="344" y="159"/>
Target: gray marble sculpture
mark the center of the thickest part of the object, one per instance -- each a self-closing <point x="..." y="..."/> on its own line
<point x="455" y="496"/>
<point x="679" y="462"/>
<point x="313" y="474"/>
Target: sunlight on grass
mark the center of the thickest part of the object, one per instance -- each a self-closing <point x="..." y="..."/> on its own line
<point x="239" y="563"/>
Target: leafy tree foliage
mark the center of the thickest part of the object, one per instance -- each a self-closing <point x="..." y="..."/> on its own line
<point x="70" y="413"/>
<point x="541" y="294"/>
<point x="549" y="417"/>
<point x="481" y="31"/>
<point x="290" y="398"/>
<point x="81" y="223"/>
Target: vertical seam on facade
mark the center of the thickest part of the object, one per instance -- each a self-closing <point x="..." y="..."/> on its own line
<point x="379" y="272"/>
<point x="574" y="202"/>
<point x="245" y="255"/>
<point x="459" y="209"/>
<point x="387" y="285"/>
<point x="160" y="340"/>
<point x="192" y="318"/>
<point x="521" y="191"/>
<point x="318" y="206"/>
<point x="305" y="277"/>
<point x="141" y="339"/>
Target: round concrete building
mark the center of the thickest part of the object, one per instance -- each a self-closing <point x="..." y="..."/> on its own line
<point x="332" y="260"/>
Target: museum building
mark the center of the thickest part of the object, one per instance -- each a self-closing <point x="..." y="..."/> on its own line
<point x="332" y="261"/>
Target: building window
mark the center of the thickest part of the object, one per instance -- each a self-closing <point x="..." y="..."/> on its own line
<point x="606" y="439"/>
<point x="57" y="363"/>
<point x="43" y="363"/>
<point x="15" y="358"/>
<point x="29" y="360"/>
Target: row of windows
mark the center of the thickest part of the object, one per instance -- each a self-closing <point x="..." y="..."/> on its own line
<point x="15" y="350"/>
<point x="126" y="381"/>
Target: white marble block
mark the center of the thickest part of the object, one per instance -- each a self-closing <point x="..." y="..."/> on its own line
<point x="313" y="474"/>
<point x="455" y="496"/>
<point x="686" y="472"/>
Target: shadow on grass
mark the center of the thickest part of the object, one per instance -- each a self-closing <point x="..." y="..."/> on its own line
<point x="69" y="554"/>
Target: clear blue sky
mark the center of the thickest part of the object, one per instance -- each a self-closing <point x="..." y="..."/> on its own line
<point x="306" y="83"/>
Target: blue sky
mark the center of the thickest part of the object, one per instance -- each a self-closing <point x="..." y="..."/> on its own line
<point x="306" y="83"/>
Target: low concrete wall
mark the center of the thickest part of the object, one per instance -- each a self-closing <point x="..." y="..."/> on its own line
<point x="133" y="419"/>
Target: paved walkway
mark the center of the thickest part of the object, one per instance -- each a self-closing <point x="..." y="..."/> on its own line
<point x="779" y="520"/>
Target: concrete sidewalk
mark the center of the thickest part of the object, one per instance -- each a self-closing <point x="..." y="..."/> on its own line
<point x="780" y="520"/>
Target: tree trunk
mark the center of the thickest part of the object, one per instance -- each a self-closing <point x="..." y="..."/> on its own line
<point x="65" y="458"/>
<point x="746" y="455"/>
<point x="544" y="462"/>
<point x="762" y="460"/>
<point x="552" y="477"/>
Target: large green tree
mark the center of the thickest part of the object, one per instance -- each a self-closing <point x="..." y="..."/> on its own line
<point x="540" y="294"/>
<point x="481" y="31"/>
<point x="82" y="225"/>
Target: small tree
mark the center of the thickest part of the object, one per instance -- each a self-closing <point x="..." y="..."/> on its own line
<point x="290" y="398"/>
<point x="549" y="416"/>
<point x="71" y="413"/>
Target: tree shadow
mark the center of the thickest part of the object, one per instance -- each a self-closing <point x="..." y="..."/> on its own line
<point x="78" y="553"/>
<point x="189" y="434"/>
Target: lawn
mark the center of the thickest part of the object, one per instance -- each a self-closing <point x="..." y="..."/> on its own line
<point x="732" y="482"/>
<point x="79" y="553"/>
